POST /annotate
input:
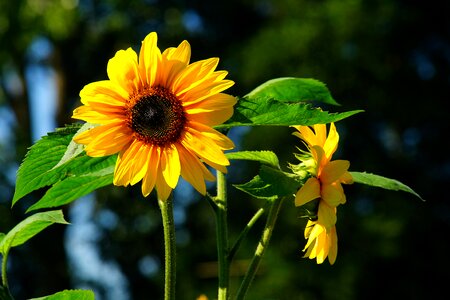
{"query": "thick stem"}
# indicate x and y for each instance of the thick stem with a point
(222, 236)
(169, 247)
(260, 249)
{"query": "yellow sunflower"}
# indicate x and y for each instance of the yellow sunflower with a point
(157, 112)
(324, 184)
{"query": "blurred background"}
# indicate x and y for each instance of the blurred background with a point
(389, 58)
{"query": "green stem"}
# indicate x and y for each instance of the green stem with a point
(4, 265)
(222, 236)
(260, 249)
(169, 247)
(244, 232)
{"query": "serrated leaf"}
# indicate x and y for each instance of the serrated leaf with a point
(72, 188)
(382, 182)
(270, 112)
(293, 89)
(69, 295)
(29, 227)
(73, 149)
(271, 184)
(36, 171)
(265, 157)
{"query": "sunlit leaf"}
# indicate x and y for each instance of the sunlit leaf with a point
(270, 112)
(271, 184)
(72, 188)
(29, 227)
(69, 295)
(382, 182)
(37, 169)
(294, 90)
(265, 157)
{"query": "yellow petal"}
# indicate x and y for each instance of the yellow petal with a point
(331, 142)
(191, 170)
(149, 180)
(140, 166)
(123, 70)
(332, 253)
(326, 215)
(105, 140)
(126, 162)
(162, 188)
(182, 53)
(193, 75)
(334, 170)
(149, 59)
(220, 139)
(104, 91)
(204, 147)
(170, 165)
(216, 102)
(333, 194)
(308, 192)
(347, 178)
(321, 134)
(212, 118)
(88, 114)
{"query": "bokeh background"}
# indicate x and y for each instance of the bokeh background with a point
(389, 58)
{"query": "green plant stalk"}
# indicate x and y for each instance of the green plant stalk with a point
(260, 249)
(222, 236)
(4, 266)
(244, 232)
(169, 247)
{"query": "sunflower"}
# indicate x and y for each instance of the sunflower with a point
(157, 112)
(325, 184)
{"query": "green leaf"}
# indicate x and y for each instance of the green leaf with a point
(271, 184)
(294, 90)
(29, 227)
(265, 157)
(382, 182)
(72, 188)
(37, 169)
(69, 295)
(270, 112)
(73, 149)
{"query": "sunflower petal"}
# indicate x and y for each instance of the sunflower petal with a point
(123, 70)
(162, 188)
(149, 59)
(331, 142)
(149, 180)
(308, 192)
(191, 170)
(170, 165)
(334, 170)
(326, 215)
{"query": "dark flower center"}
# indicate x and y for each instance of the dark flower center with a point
(157, 117)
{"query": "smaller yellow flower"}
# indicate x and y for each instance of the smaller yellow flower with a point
(322, 243)
(324, 184)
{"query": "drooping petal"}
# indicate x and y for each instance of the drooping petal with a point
(332, 253)
(149, 180)
(141, 163)
(126, 162)
(326, 215)
(308, 192)
(191, 170)
(123, 70)
(162, 188)
(170, 165)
